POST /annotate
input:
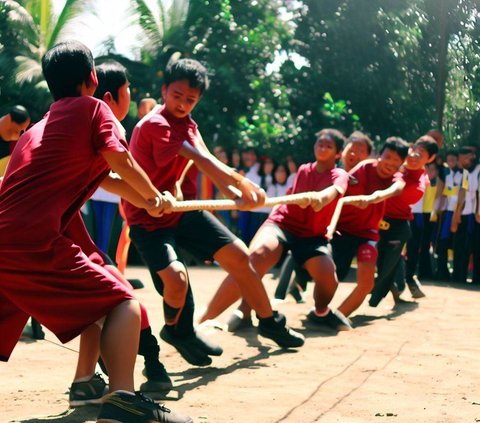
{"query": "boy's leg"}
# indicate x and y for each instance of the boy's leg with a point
(390, 249)
(89, 351)
(366, 262)
(119, 344)
(322, 270)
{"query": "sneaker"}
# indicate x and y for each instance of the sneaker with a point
(126, 407)
(238, 322)
(277, 331)
(188, 347)
(208, 346)
(157, 378)
(415, 289)
(136, 283)
(333, 320)
(89, 392)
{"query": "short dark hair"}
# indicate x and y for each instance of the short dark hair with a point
(397, 144)
(452, 152)
(465, 149)
(66, 66)
(428, 143)
(335, 135)
(358, 136)
(19, 114)
(111, 76)
(189, 69)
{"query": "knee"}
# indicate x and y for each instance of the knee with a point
(175, 277)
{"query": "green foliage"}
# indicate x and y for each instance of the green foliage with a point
(28, 29)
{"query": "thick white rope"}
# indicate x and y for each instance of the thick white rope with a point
(182, 206)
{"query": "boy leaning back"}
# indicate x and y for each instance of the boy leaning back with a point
(56, 166)
(301, 229)
(163, 143)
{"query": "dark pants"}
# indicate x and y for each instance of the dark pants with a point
(418, 247)
(443, 243)
(389, 249)
(463, 248)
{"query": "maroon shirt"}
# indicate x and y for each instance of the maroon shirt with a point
(52, 173)
(364, 222)
(155, 143)
(400, 206)
(306, 222)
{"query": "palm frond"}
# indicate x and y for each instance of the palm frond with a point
(18, 31)
(148, 23)
(70, 12)
(177, 13)
(28, 70)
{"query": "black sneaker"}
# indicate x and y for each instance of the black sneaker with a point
(333, 320)
(276, 330)
(136, 283)
(157, 378)
(89, 392)
(208, 346)
(188, 348)
(126, 407)
(414, 286)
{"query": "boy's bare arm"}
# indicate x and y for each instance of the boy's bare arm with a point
(326, 196)
(132, 174)
(228, 181)
(380, 195)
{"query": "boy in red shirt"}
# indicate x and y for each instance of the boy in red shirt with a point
(398, 213)
(163, 143)
(54, 169)
(357, 228)
(301, 229)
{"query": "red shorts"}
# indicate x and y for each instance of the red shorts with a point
(62, 288)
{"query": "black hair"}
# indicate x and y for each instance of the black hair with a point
(397, 144)
(111, 76)
(428, 143)
(358, 136)
(335, 135)
(452, 152)
(19, 114)
(465, 149)
(188, 69)
(66, 66)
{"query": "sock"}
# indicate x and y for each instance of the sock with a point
(268, 322)
(185, 320)
(171, 314)
(148, 346)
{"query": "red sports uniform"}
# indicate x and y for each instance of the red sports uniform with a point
(155, 144)
(306, 222)
(44, 273)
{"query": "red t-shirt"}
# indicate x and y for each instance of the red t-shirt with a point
(54, 169)
(155, 143)
(364, 180)
(400, 206)
(306, 222)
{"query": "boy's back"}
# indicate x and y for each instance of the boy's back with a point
(54, 169)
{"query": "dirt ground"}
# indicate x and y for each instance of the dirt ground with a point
(415, 364)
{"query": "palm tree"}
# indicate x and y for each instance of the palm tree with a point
(28, 29)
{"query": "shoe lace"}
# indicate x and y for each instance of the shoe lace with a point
(151, 402)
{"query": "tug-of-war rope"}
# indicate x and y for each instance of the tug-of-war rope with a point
(298, 199)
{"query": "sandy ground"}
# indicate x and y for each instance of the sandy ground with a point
(418, 364)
